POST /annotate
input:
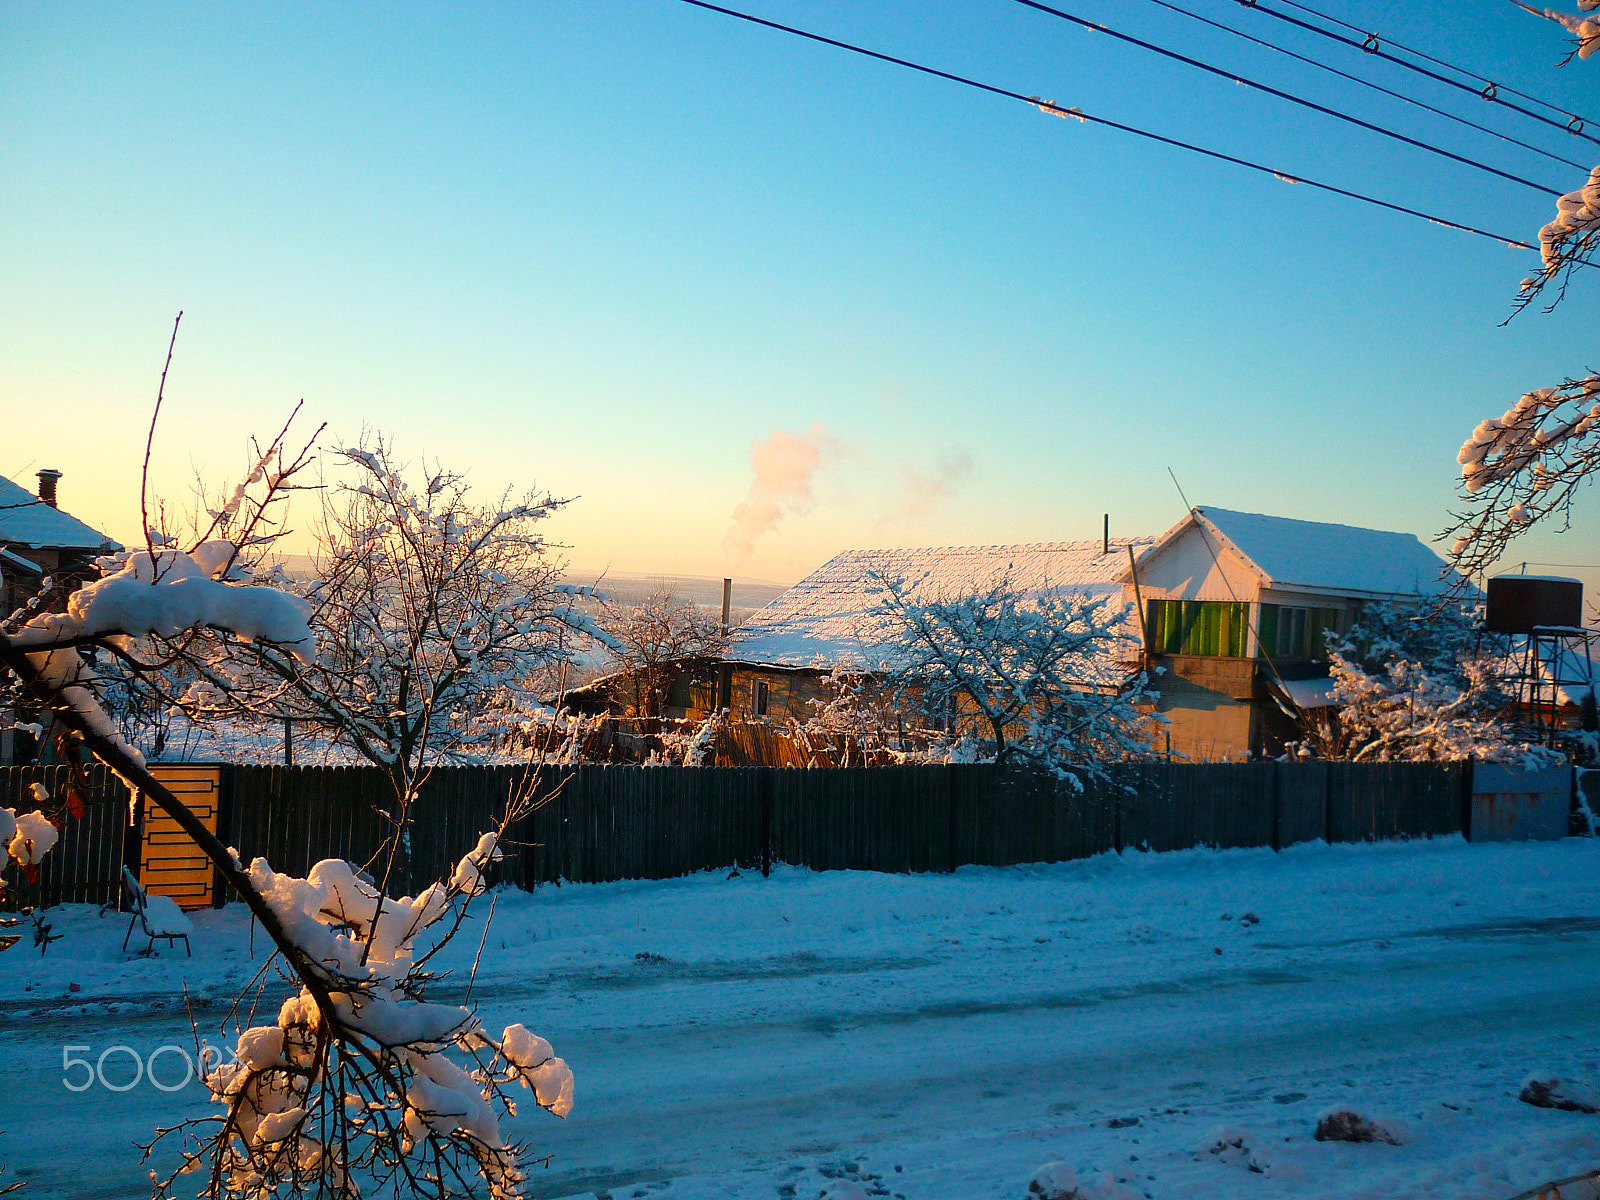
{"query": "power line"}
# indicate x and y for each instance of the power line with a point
(1078, 114)
(1283, 95)
(1367, 83)
(1484, 79)
(1372, 44)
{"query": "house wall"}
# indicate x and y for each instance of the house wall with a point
(789, 694)
(1185, 569)
(1209, 704)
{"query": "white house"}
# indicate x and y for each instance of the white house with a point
(1235, 606)
(1232, 610)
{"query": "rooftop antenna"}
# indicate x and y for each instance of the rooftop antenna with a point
(1179, 486)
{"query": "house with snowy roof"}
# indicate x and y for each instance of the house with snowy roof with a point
(1235, 606)
(775, 664)
(38, 539)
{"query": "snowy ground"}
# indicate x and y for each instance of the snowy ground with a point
(939, 1037)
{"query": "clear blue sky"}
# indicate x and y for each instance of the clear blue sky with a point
(602, 248)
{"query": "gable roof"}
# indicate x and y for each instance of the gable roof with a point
(827, 618)
(1319, 556)
(26, 520)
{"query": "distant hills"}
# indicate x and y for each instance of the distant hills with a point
(627, 587)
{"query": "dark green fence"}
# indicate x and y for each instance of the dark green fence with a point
(599, 823)
(85, 867)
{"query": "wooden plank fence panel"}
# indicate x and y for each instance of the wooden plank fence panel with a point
(85, 865)
(1301, 798)
(615, 822)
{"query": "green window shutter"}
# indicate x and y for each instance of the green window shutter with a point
(1238, 629)
(1267, 630)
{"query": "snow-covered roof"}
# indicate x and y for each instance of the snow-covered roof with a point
(1307, 693)
(827, 618)
(26, 520)
(1319, 556)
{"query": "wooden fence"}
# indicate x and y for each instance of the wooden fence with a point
(601, 823)
(85, 867)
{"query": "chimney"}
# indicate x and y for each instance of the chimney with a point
(727, 602)
(47, 486)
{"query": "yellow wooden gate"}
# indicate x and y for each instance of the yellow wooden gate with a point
(170, 864)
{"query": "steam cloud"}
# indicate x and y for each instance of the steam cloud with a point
(923, 492)
(784, 465)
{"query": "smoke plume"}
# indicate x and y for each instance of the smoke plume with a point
(923, 492)
(784, 464)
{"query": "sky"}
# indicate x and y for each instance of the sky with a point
(631, 251)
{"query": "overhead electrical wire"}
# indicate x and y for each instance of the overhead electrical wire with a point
(1097, 27)
(1078, 114)
(1367, 83)
(1439, 62)
(1372, 44)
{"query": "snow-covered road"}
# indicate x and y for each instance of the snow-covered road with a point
(941, 1036)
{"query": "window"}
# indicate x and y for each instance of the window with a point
(1288, 632)
(1206, 627)
(759, 695)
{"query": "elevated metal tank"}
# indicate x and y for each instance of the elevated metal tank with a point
(1522, 603)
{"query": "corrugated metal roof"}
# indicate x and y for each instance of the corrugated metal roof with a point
(26, 520)
(827, 618)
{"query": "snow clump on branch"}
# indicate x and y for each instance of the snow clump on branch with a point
(393, 1082)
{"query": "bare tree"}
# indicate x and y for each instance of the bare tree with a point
(358, 1085)
(423, 607)
(652, 637)
(1040, 673)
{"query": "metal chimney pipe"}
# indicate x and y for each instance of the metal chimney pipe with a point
(47, 486)
(727, 602)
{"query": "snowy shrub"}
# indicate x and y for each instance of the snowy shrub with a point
(1552, 1091)
(1342, 1124)
(1414, 683)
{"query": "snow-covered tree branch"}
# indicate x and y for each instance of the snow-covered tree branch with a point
(1042, 675)
(1524, 466)
(1417, 683)
(361, 1085)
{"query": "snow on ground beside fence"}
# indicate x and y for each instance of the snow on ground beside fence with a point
(1166, 1025)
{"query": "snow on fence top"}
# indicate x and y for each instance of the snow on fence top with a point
(26, 520)
(1319, 556)
(828, 618)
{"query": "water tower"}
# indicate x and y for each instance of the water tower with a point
(1554, 662)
